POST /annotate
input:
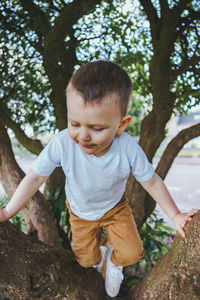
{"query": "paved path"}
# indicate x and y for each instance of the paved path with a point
(183, 182)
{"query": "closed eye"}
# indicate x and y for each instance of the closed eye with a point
(93, 128)
(75, 125)
(98, 129)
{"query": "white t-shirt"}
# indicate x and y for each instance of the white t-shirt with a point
(94, 184)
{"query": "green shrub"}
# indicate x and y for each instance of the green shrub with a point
(18, 219)
(60, 213)
(153, 234)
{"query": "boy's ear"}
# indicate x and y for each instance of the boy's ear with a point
(123, 124)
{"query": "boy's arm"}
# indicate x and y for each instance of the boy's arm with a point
(25, 190)
(159, 192)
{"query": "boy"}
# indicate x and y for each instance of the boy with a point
(97, 157)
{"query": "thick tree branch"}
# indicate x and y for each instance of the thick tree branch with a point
(64, 26)
(165, 163)
(32, 145)
(174, 147)
(170, 22)
(164, 7)
(187, 91)
(32, 270)
(179, 8)
(176, 275)
(19, 31)
(150, 11)
(69, 16)
(37, 214)
(41, 25)
(184, 67)
(58, 60)
(54, 7)
(184, 22)
(154, 21)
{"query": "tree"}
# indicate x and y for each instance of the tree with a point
(164, 62)
(45, 37)
(162, 58)
(173, 26)
(38, 271)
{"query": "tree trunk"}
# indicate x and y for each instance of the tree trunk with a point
(136, 195)
(55, 180)
(153, 125)
(37, 214)
(33, 270)
(176, 275)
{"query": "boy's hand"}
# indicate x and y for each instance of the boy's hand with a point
(181, 219)
(3, 215)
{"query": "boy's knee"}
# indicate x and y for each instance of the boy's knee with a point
(134, 256)
(88, 259)
(86, 262)
(129, 256)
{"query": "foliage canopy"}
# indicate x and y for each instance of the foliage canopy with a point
(116, 30)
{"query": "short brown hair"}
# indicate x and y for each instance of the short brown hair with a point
(97, 79)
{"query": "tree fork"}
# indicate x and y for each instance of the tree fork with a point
(38, 271)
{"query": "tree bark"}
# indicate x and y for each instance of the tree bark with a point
(59, 61)
(37, 214)
(38, 271)
(176, 275)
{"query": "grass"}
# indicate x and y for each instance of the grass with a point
(183, 152)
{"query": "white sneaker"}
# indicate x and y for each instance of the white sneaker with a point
(99, 266)
(114, 276)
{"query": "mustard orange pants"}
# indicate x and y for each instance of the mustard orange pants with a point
(122, 236)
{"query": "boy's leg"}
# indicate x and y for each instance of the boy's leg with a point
(124, 238)
(86, 237)
(126, 246)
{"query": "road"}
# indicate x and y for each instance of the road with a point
(182, 180)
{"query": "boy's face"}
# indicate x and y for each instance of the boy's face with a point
(93, 126)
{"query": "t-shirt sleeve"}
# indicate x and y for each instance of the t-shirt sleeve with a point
(141, 168)
(49, 158)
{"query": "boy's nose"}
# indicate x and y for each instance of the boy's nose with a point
(84, 135)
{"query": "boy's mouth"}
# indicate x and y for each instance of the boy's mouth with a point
(88, 146)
